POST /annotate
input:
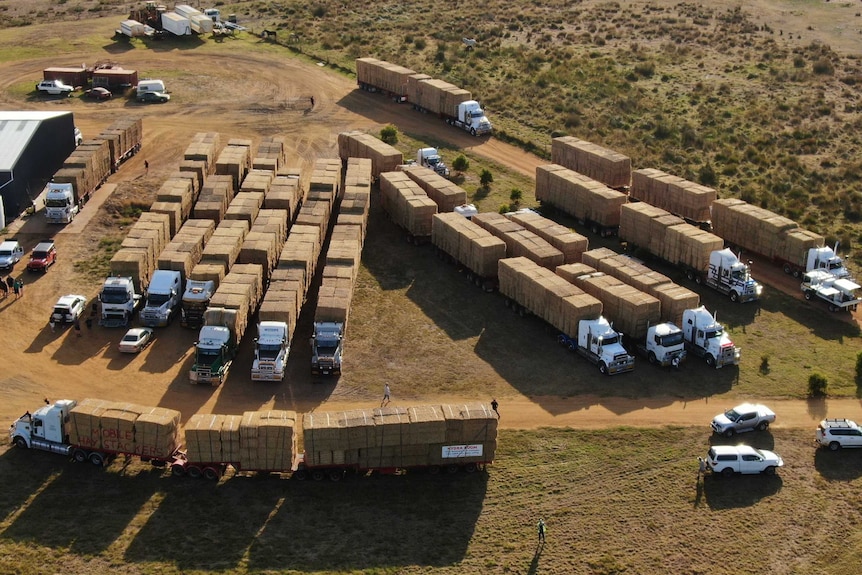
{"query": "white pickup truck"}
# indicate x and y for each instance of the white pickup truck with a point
(55, 87)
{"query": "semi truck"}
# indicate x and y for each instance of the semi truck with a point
(840, 294)
(430, 158)
(62, 202)
(601, 345)
(663, 345)
(698, 254)
(215, 350)
(454, 105)
(449, 437)
(327, 347)
(164, 294)
(776, 238)
(196, 299)
(592, 203)
(271, 348)
(706, 338)
(118, 302)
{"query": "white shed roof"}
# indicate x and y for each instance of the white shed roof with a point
(16, 130)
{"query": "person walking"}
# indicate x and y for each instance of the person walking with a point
(146, 167)
(4, 288)
(16, 288)
(701, 467)
(385, 395)
(312, 102)
(10, 281)
(540, 527)
(19, 285)
(494, 406)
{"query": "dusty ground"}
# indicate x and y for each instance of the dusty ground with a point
(40, 363)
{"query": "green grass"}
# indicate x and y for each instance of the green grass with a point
(614, 501)
(98, 265)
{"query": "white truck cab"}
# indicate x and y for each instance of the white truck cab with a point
(271, 348)
(706, 338)
(600, 344)
(164, 295)
(664, 345)
(430, 158)
(826, 259)
(471, 117)
(44, 429)
(60, 204)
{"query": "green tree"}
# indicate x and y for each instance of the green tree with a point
(461, 164)
(817, 384)
(486, 178)
(389, 134)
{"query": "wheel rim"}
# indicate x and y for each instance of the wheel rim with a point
(96, 459)
(195, 472)
(211, 474)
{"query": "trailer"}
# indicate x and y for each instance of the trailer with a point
(470, 247)
(593, 204)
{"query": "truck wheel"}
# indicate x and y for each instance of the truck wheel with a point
(727, 472)
(652, 358)
(470, 468)
(97, 459)
(336, 475)
(603, 368)
(434, 470)
(194, 472)
(729, 433)
(561, 339)
(300, 475)
(734, 297)
(809, 294)
(472, 131)
(211, 474)
(770, 470)
(177, 470)
(710, 361)
(763, 426)
(834, 446)
(690, 275)
(450, 469)
(787, 269)
(317, 475)
(20, 442)
(79, 455)
(572, 346)
(833, 308)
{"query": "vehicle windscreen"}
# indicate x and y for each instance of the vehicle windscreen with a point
(835, 265)
(714, 333)
(609, 340)
(61, 310)
(5, 253)
(114, 295)
(56, 203)
(208, 356)
(268, 351)
(40, 255)
(732, 414)
(130, 338)
(326, 348)
(671, 339)
(156, 300)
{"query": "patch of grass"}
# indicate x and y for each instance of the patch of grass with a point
(98, 265)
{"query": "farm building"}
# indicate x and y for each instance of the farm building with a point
(33, 146)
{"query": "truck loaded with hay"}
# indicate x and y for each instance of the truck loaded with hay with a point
(384, 440)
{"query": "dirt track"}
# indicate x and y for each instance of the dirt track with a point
(39, 363)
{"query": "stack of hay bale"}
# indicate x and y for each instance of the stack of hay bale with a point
(267, 440)
(222, 250)
(667, 236)
(204, 148)
(324, 185)
(763, 232)
(285, 193)
(571, 244)
(137, 255)
(235, 160)
(586, 199)
(356, 199)
(380, 74)
(446, 194)
(270, 154)
(86, 168)
(467, 243)
(124, 139)
(120, 427)
(257, 181)
(236, 299)
(244, 206)
(437, 96)
(678, 196)
(606, 166)
(631, 310)
(339, 274)
(520, 241)
(674, 298)
(384, 158)
(186, 248)
(214, 199)
(546, 294)
(407, 204)
(401, 437)
(175, 198)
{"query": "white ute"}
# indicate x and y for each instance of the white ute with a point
(731, 459)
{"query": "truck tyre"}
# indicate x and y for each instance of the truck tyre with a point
(652, 358)
(451, 469)
(177, 470)
(727, 472)
(472, 131)
(770, 470)
(194, 472)
(300, 475)
(561, 339)
(336, 475)
(787, 269)
(734, 297)
(833, 308)
(211, 474)
(690, 275)
(434, 470)
(763, 426)
(729, 432)
(317, 475)
(97, 459)
(834, 446)
(603, 368)
(572, 346)
(710, 361)
(79, 455)
(809, 294)
(470, 468)
(20, 442)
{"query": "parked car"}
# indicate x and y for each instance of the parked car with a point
(838, 433)
(11, 253)
(55, 87)
(69, 308)
(731, 459)
(43, 256)
(99, 93)
(742, 418)
(153, 97)
(135, 340)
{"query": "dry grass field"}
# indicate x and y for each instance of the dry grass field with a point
(676, 86)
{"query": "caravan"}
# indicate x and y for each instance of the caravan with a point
(151, 86)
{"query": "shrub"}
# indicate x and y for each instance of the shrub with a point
(486, 178)
(389, 134)
(817, 385)
(461, 164)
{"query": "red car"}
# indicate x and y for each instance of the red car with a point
(44, 255)
(99, 93)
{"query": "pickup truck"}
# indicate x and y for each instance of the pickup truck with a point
(743, 417)
(728, 460)
(55, 87)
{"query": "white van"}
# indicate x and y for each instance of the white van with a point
(151, 86)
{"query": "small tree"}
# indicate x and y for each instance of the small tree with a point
(817, 384)
(389, 134)
(461, 164)
(486, 178)
(515, 198)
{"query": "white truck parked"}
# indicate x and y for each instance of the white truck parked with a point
(164, 297)
(61, 203)
(327, 347)
(601, 345)
(826, 259)
(664, 345)
(118, 302)
(271, 348)
(728, 275)
(705, 338)
(839, 293)
(430, 158)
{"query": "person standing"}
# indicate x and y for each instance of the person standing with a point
(494, 406)
(701, 467)
(385, 395)
(16, 288)
(10, 282)
(312, 102)
(77, 327)
(19, 284)
(540, 527)
(4, 288)
(146, 167)
(51, 323)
